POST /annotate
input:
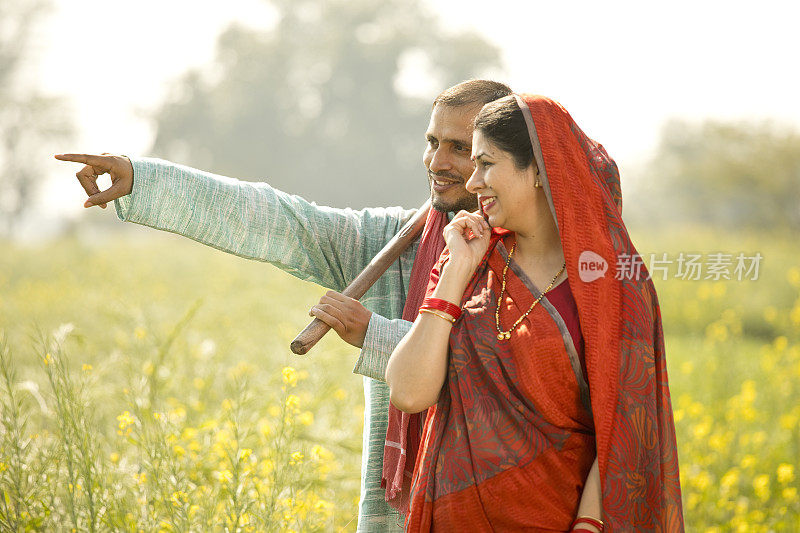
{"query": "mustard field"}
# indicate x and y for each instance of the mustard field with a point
(147, 385)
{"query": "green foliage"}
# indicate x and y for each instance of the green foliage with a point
(312, 105)
(730, 175)
(23, 501)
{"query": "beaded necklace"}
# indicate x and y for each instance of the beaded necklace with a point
(505, 335)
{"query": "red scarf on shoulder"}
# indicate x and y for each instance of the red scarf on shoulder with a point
(404, 430)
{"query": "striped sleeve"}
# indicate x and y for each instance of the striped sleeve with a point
(253, 220)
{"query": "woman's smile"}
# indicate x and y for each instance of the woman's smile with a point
(487, 202)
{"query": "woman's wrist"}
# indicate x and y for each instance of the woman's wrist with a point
(437, 304)
(457, 272)
(451, 285)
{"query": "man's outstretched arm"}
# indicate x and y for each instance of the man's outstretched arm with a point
(253, 220)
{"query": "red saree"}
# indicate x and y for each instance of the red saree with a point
(510, 442)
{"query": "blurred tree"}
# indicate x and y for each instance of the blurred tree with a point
(737, 175)
(313, 107)
(28, 119)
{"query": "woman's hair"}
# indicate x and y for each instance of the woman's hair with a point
(504, 126)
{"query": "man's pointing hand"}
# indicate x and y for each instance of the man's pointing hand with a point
(118, 167)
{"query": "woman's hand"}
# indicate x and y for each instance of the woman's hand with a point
(467, 238)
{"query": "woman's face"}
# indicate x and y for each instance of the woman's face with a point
(506, 194)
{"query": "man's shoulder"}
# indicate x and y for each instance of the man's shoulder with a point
(394, 213)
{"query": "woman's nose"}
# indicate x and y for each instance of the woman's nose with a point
(474, 182)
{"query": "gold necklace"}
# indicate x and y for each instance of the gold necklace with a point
(505, 335)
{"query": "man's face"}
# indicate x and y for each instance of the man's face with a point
(447, 157)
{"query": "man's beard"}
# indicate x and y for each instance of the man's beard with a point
(468, 202)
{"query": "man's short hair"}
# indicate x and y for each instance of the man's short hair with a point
(472, 92)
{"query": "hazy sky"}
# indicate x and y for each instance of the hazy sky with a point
(621, 68)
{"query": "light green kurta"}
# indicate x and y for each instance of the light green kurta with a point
(321, 244)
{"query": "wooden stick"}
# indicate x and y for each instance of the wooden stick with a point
(307, 338)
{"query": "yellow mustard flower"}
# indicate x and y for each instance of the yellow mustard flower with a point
(306, 418)
(794, 315)
(245, 453)
(292, 402)
(785, 473)
(126, 420)
(263, 427)
(179, 498)
(223, 476)
(780, 343)
(730, 480)
(289, 375)
(702, 480)
(748, 461)
(761, 487)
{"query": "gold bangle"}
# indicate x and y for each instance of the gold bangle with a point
(590, 520)
(431, 311)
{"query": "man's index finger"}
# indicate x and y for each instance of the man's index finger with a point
(99, 161)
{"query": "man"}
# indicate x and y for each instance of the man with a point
(320, 244)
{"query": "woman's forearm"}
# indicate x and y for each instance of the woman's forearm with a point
(417, 367)
(591, 499)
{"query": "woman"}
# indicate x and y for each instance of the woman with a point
(544, 386)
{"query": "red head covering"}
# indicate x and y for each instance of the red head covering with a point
(621, 324)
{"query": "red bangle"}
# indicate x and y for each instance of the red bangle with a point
(582, 530)
(441, 305)
(588, 520)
